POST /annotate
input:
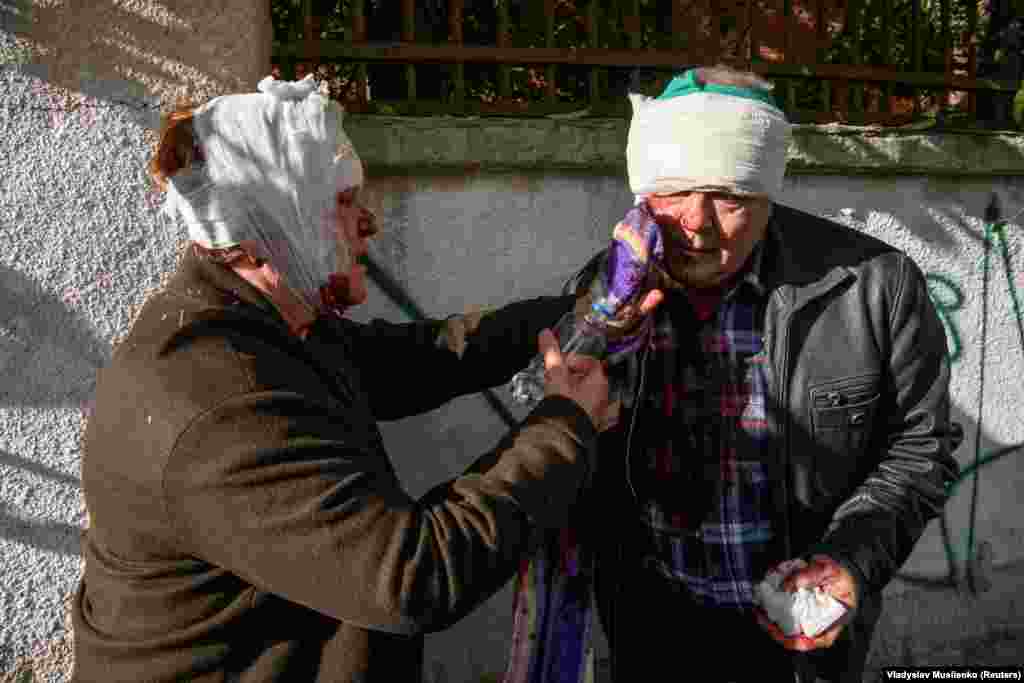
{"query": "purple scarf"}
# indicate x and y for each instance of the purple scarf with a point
(554, 611)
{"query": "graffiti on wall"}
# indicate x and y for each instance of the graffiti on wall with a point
(948, 298)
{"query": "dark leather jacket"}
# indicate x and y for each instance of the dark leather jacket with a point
(858, 397)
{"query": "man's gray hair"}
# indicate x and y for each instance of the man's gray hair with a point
(727, 75)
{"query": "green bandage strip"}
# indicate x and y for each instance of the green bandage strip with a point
(687, 83)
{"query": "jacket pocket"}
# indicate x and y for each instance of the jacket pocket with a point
(843, 418)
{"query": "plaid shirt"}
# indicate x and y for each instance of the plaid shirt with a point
(703, 444)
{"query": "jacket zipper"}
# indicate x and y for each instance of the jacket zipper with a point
(783, 388)
(783, 391)
(847, 396)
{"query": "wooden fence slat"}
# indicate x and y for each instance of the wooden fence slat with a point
(551, 71)
(308, 36)
(358, 36)
(458, 70)
(753, 51)
(503, 42)
(972, 56)
(854, 9)
(787, 31)
(821, 35)
(947, 48)
(679, 34)
(918, 38)
(668, 59)
(593, 38)
(887, 31)
(787, 87)
(409, 36)
(633, 26)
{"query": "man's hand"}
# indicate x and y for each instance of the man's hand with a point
(578, 377)
(822, 571)
(650, 302)
(630, 316)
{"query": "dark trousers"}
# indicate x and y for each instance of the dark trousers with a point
(661, 634)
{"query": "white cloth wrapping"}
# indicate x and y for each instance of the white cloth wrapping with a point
(810, 611)
(706, 141)
(269, 168)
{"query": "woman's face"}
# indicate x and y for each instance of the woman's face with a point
(356, 225)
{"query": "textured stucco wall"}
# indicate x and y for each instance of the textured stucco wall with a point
(81, 86)
(81, 244)
(494, 238)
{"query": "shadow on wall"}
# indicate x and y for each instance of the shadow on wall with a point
(55, 537)
(969, 556)
(124, 56)
(49, 355)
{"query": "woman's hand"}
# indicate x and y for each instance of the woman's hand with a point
(579, 378)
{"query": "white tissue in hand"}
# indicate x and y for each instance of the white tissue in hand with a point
(808, 610)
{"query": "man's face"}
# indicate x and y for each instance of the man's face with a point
(708, 235)
(356, 225)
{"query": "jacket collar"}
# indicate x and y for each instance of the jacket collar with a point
(797, 268)
(218, 286)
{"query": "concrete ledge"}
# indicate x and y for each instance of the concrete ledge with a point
(391, 144)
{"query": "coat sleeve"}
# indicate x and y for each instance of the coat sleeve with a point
(875, 530)
(411, 368)
(278, 489)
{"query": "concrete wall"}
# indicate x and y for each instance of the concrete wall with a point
(81, 85)
(474, 212)
(497, 237)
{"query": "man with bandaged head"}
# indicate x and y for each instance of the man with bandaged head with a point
(784, 436)
(246, 523)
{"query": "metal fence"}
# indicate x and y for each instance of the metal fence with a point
(855, 61)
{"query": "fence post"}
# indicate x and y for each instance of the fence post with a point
(854, 9)
(310, 38)
(458, 70)
(632, 25)
(593, 39)
(502, 40)
(917, 46)
(358, 37)
(947, 51)
(972, 57)
(821, 57)
(885, 106)
(408, 36)
(550, 71)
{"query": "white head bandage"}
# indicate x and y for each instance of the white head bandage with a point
(269, 169)
(698, 136)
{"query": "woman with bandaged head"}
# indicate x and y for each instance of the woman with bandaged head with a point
(246, 521)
